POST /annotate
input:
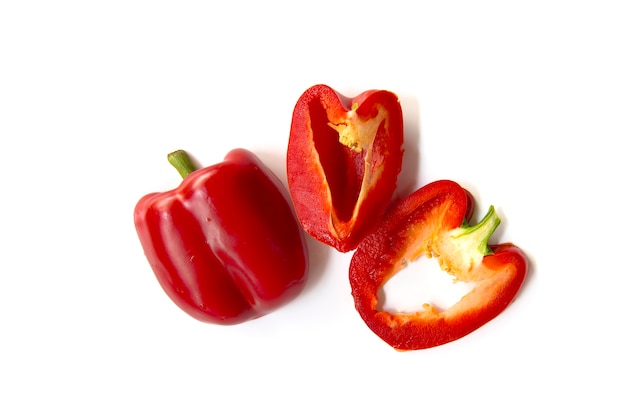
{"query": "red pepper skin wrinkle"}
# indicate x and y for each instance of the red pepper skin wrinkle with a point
(225, 245)
(415, 226)
(343, 160)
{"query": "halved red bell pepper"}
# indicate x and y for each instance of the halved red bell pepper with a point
(343, 160)
(225, 245)
(432, 222)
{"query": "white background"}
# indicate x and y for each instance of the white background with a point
(522, 103)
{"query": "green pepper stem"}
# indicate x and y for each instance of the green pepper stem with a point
(482, 230)
(181, 162)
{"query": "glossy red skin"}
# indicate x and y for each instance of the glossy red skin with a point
(437, 207)
(225, 245)
(326, 178)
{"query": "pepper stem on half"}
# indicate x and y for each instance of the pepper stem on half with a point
(463, 248)
(181, 162)
(481, 231)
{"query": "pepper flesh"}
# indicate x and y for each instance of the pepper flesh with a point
(432, 222)
(343, 160)
(225, 245)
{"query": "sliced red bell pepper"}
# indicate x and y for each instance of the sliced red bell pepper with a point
(225, 245)
(432, 222)
(343, 160)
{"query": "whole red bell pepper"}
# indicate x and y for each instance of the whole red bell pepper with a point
(225, 245)
(343, 160)
(432, 222)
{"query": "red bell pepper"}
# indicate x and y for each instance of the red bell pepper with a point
(432, 222)
(225, 245)
(343, 160)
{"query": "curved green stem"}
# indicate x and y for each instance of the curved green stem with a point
(181, 162)
(481, 231)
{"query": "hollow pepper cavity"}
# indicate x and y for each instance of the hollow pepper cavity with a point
(432, 221)
(343, 159)
(225, 245)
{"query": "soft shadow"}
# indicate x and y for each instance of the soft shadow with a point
(408, 177)
(530, 272)
(275, 162)
(318, 261)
